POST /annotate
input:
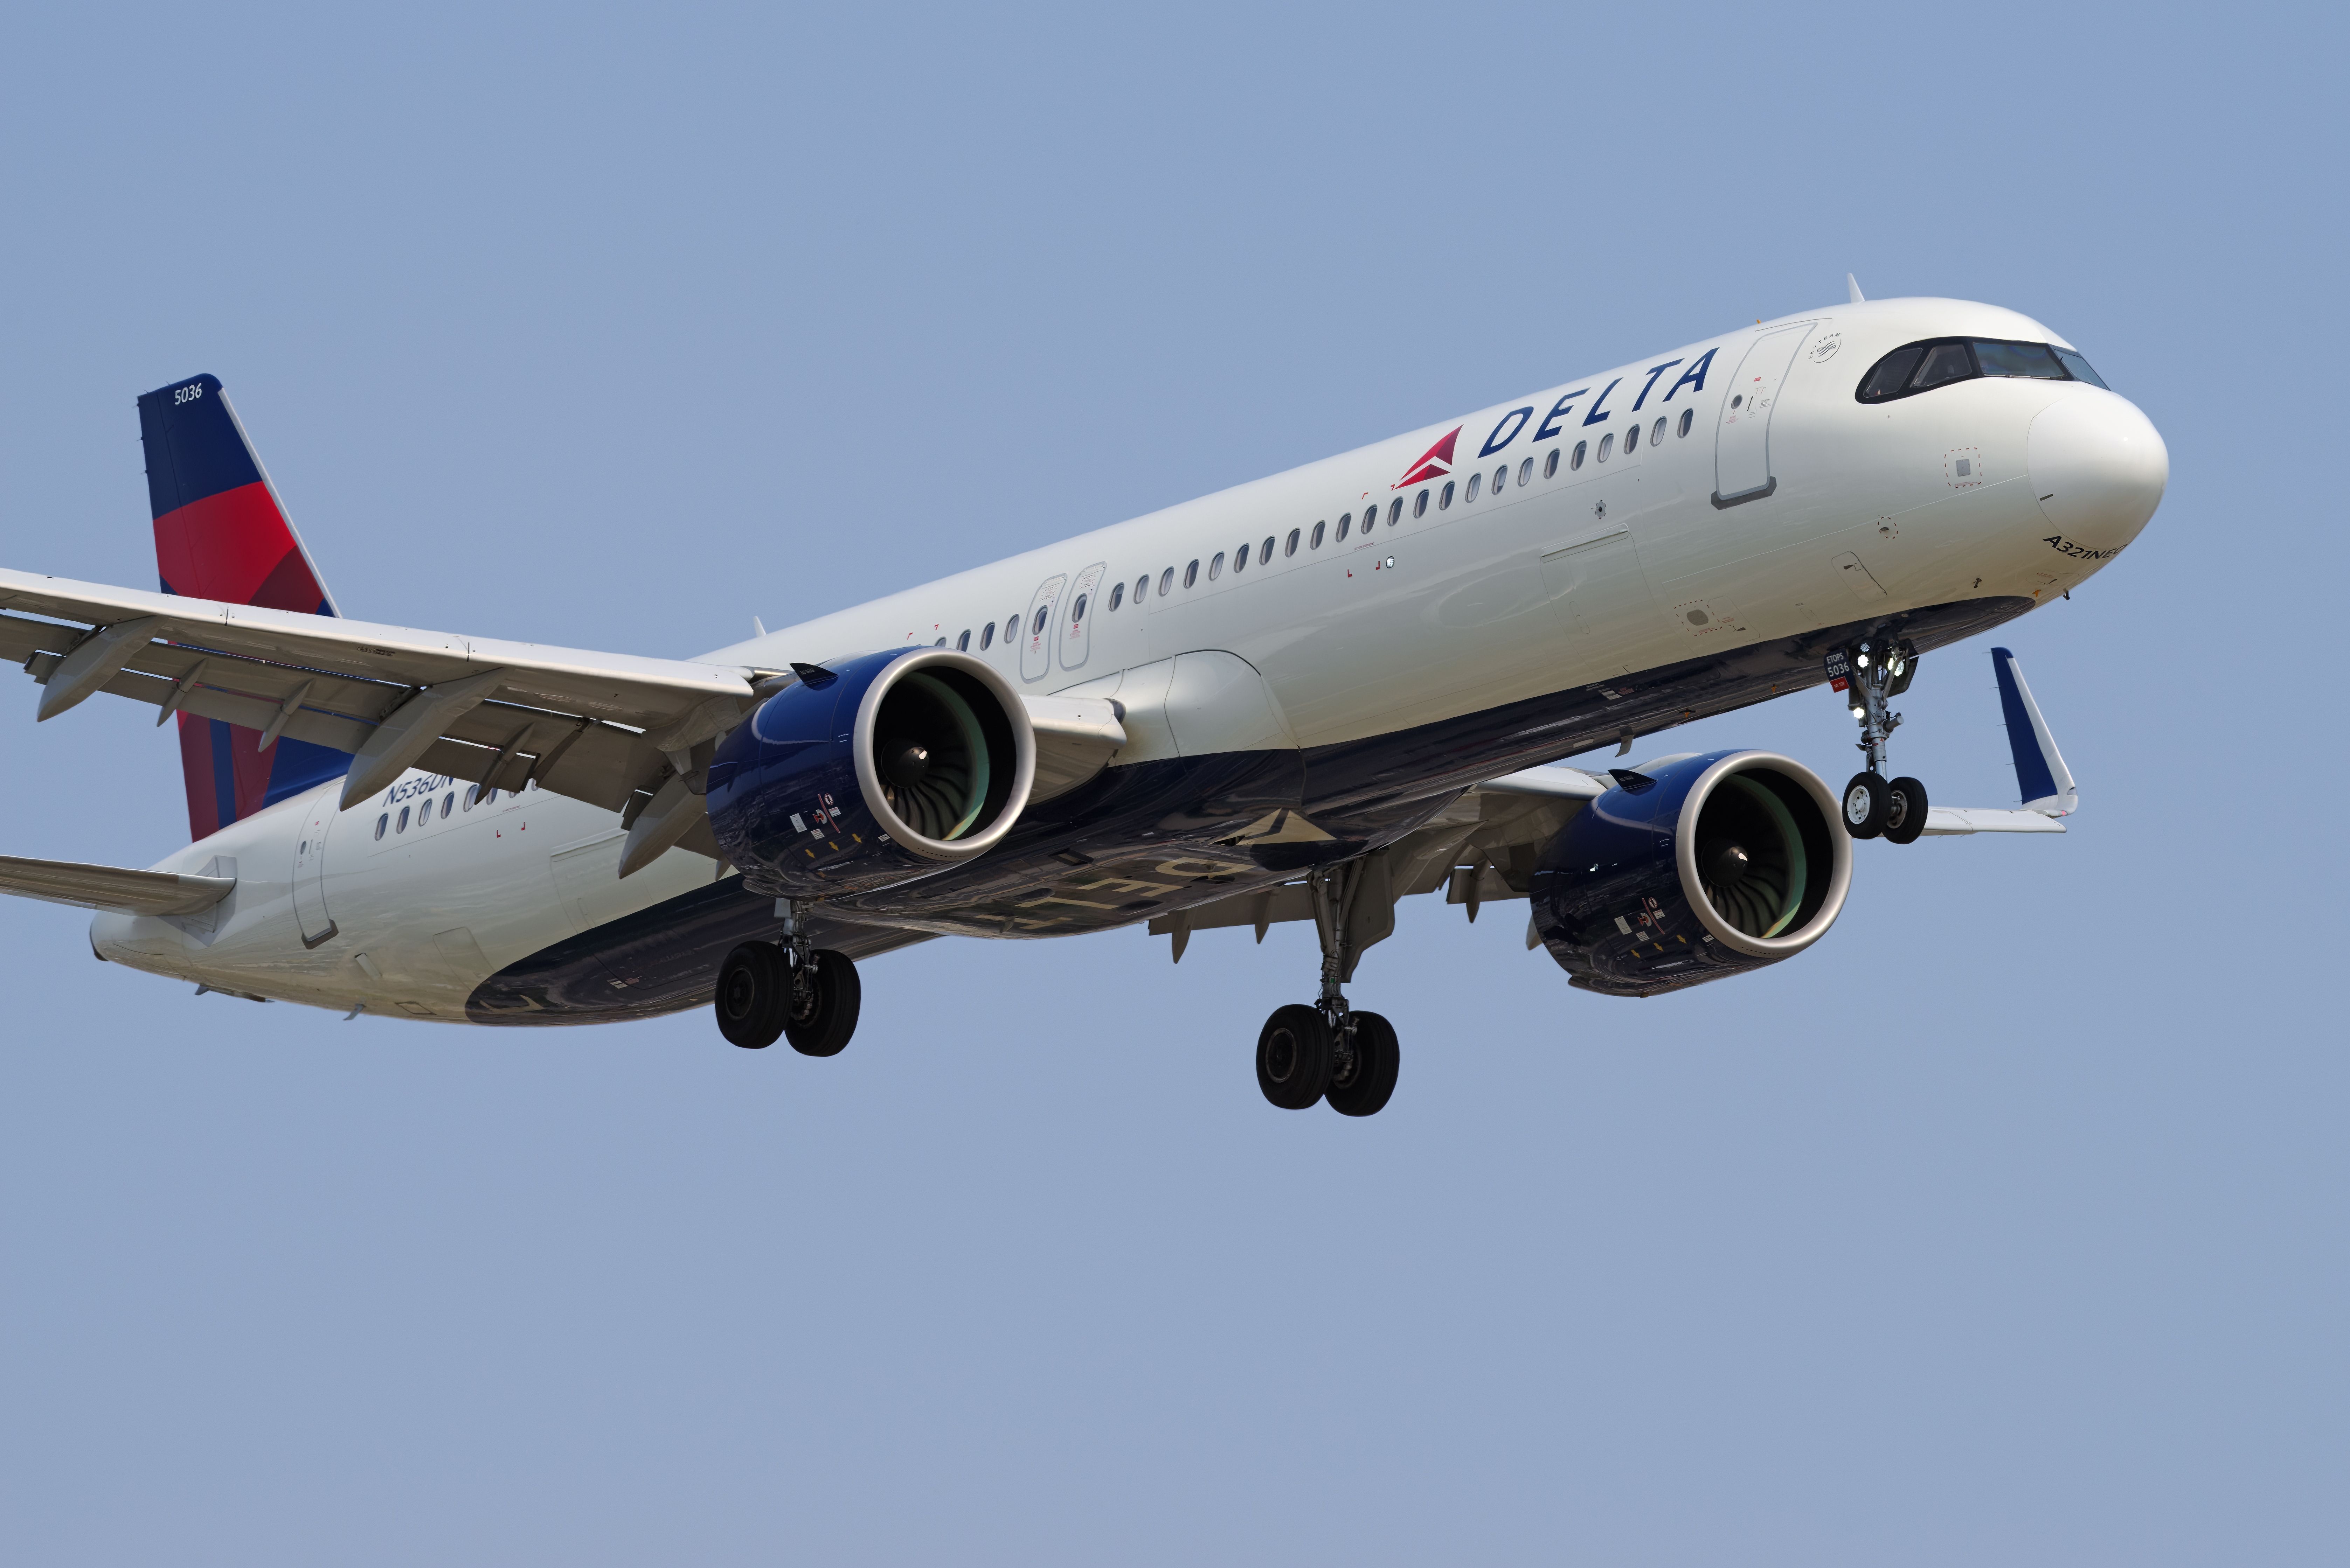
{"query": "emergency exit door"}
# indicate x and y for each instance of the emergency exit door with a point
(310, 868)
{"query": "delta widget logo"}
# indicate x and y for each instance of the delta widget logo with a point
(1434, 463)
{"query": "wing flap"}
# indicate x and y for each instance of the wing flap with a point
(113, 887)
(591, 726)
(623, 687)
(1946, 821)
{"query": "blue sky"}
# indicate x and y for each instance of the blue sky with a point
(2006, 1224)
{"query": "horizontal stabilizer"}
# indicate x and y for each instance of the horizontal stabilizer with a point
(2046, 785)
(114, 888)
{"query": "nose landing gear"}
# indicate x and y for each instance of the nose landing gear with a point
(1870, 675)
(1328, 1050)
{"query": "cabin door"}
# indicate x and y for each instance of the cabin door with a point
(310, 868)
(1741, 447)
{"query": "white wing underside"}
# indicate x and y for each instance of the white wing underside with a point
(606, 728)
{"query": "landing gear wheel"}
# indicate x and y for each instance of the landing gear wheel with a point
(821, 1013)
(1366, 1076)
(1905, 815)
(1293, 1057)
(753, 984)
(1866, 801)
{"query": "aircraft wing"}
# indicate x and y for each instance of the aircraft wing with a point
(1482, 846)
(112, 886)
(601, 727)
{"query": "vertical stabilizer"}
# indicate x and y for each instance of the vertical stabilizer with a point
(220, 533)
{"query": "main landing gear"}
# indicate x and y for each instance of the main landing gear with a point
(1873, 807)
(1328, 1050)
(807, 995)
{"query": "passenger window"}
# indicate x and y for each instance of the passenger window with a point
(1117, 596)
(1038, 629)
(403, 826)
(449, 803)
(1264, 551)
(1607, 445)
(1346, 522)
(2080, 369)
(1891, 374)
(1525, 473)
(1079, 613)
(986, 635)
(1657, 433)
(1689, 418)
(1165, 582)
(1291, 548)
(1317, 538)
(1631, 440)
(381, 823)
(1581, 447)
(1550, 464)
(1240, 558)
(473, 793)
(1444, 498)
(1191, 573)
(940, 643)
(1215, 568)
(962, 643)
(1419, 503)
(1141, 588)
(1945, 363)
(2034, 361)
(1395, 509)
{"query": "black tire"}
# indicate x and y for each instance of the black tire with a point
(1363, 1087)
(1293, 1057)
(821, 1013)
(1905, 812)
(1864, 803)
(752, 988)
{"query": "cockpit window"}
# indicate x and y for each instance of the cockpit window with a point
(2034, 361)
(2080, 369)
(1917, 368)
(1945, 363)
(1891, 374)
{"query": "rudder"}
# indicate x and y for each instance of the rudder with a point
(221, 534)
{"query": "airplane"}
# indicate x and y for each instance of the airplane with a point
(1302, 699)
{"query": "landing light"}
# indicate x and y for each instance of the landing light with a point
(1858, 711)
(1861, 659)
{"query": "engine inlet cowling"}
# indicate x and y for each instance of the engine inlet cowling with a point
(880, 770)
(1702, 867)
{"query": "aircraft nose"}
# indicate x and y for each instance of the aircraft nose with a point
(2098, 466)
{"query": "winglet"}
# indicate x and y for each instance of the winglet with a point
(1853, 283)
(2041, 776)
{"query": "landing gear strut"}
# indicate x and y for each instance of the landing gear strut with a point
(807, 995)
(1875, 673)
(1328, 1051)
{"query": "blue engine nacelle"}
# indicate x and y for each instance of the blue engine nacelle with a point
(1705, 866)
(879, 770)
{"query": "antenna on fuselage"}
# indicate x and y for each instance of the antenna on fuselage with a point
(1853, 283)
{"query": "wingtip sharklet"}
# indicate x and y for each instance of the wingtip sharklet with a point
(2043, 782)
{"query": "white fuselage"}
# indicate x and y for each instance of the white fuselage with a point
(1554, 575)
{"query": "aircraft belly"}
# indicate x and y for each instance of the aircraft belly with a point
(1180, 832)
